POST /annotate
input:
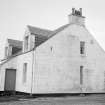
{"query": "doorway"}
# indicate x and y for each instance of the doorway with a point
(10, 80)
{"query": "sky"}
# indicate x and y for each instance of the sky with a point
(15, 15)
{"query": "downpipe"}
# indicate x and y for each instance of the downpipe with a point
(33, 55)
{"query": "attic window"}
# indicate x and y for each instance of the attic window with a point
(15, 50)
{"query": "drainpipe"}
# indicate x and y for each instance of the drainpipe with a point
(33, 55)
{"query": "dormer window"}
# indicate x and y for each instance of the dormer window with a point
(13, 47)
(26, 43)
(15, 50)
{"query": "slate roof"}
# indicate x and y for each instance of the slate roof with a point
(43, 34)
(15, 43)
(59, 29)
(39, 31)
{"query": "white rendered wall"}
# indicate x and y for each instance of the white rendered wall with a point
(57, 65)
(58, 61)
(17, 63)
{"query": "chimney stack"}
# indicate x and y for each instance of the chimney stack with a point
(76, 17)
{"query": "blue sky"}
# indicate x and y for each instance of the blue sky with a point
(48, 14)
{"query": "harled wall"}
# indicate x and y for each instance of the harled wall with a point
(58, 61)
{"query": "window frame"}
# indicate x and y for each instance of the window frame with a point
(82, 47)
(81, 75)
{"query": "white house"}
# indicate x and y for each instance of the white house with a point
(66, 60)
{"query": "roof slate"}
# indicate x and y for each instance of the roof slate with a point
(15, 43)
(59, 29)
(42, 34)
(45, 32)
(39, 31)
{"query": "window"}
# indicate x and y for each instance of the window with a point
(15, 50)
(81, 75)
(26, 43)
(24, 72)
(82, 47)
(51, 48)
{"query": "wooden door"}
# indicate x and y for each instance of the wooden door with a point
(10, 80)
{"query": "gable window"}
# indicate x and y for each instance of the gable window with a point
(81, 75)
(82, 47)
(24, 72)
(26, 43)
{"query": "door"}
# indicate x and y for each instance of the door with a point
(104, 80)
(10, 79)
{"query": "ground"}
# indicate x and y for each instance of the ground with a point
(68, 100)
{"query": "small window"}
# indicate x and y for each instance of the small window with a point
(81, 75)
(24, 72)
(82, 47)
(51, 48)
(15, 50)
